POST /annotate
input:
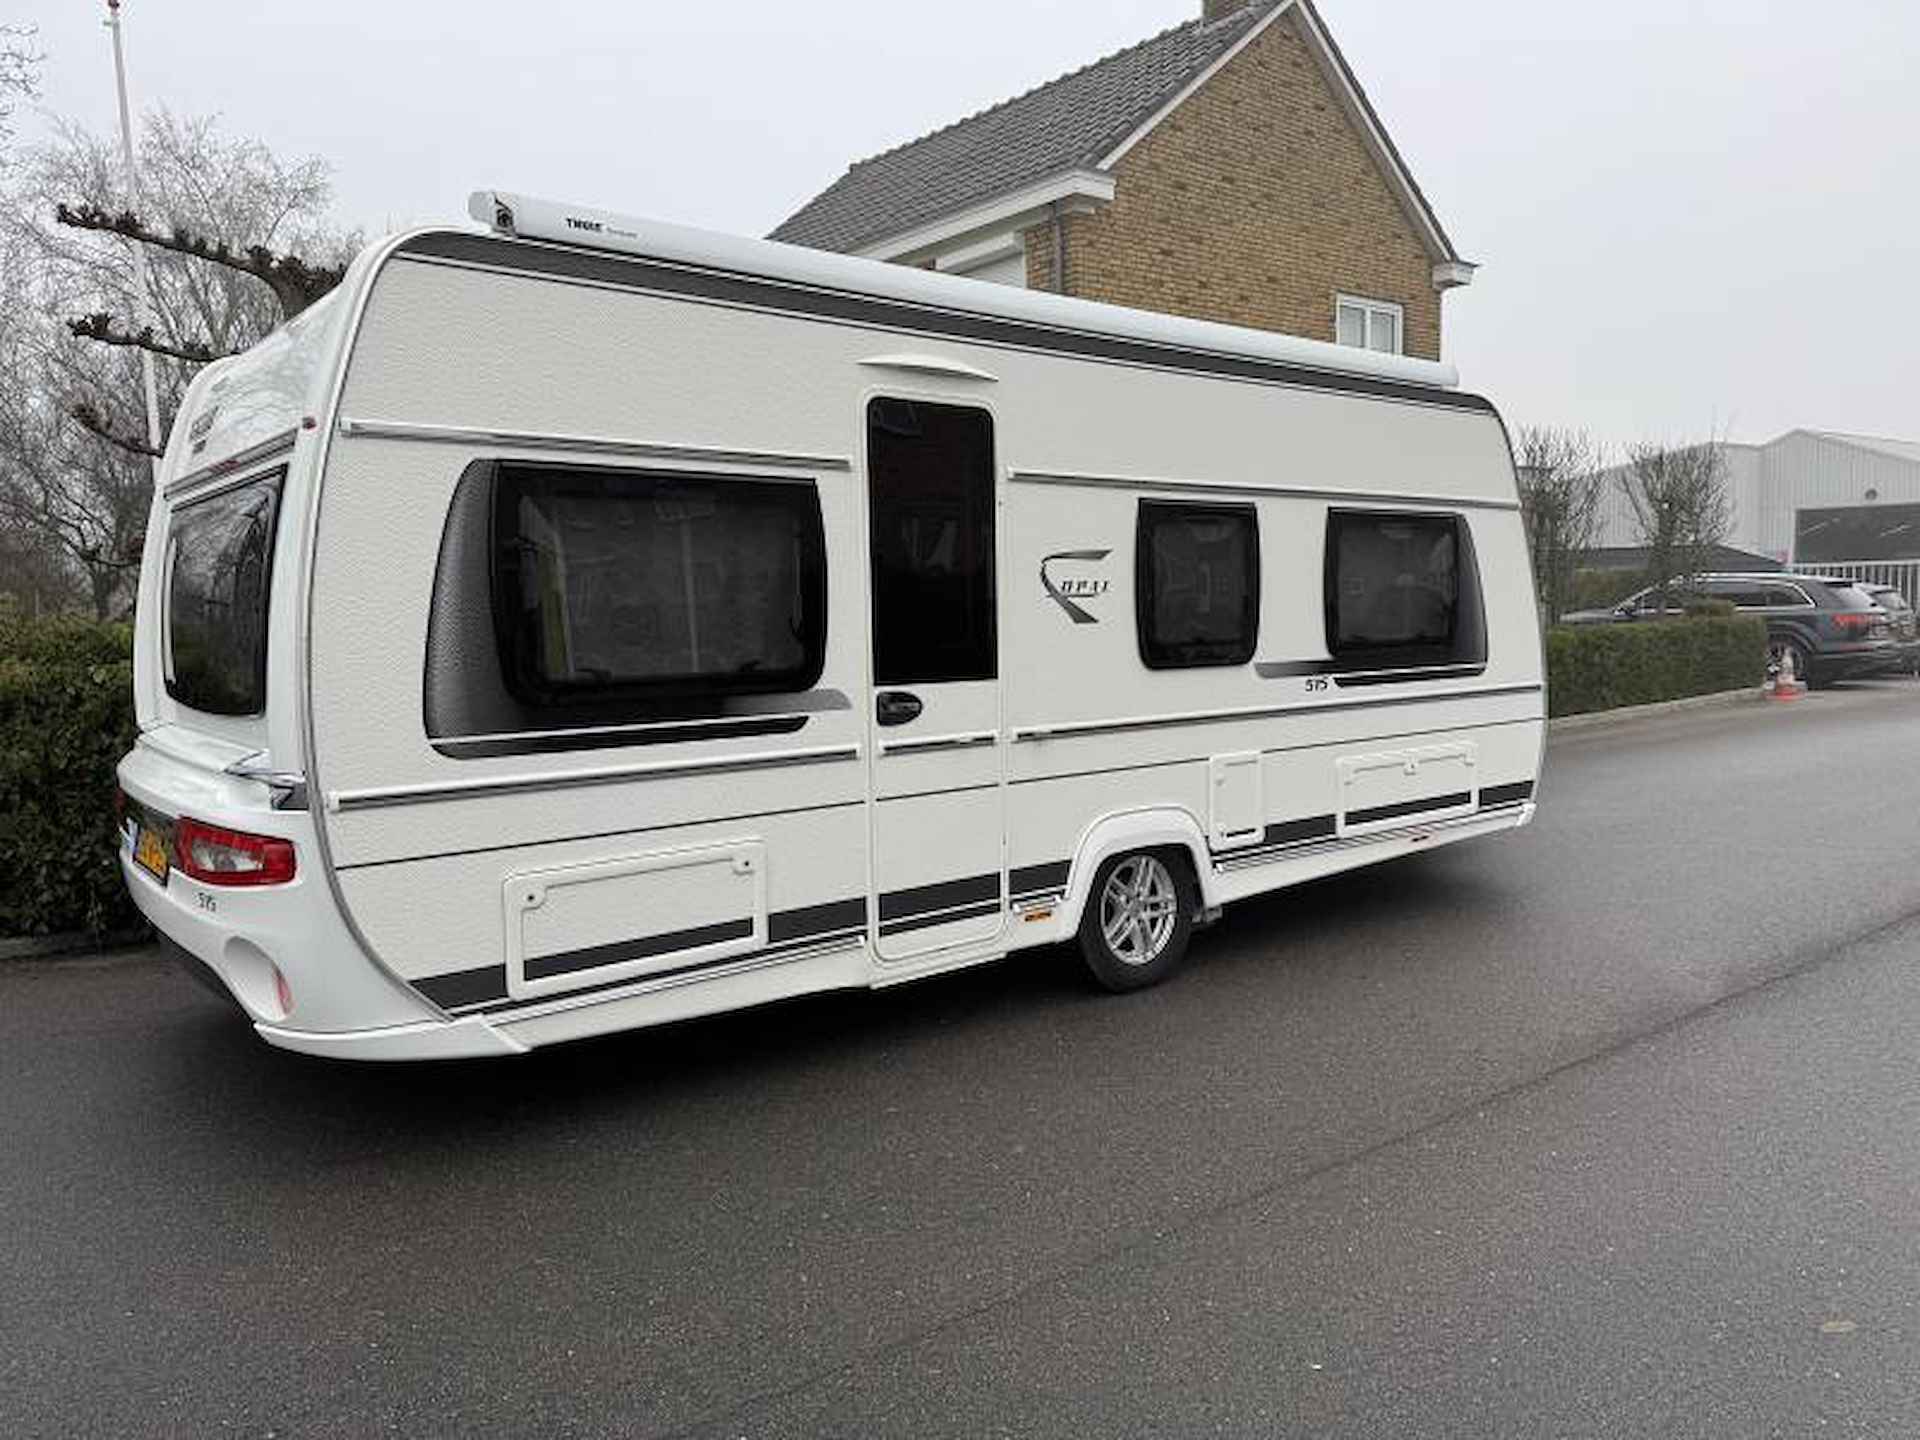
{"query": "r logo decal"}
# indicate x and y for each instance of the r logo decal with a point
(1067, 592)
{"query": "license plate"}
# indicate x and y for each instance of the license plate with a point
(150, 853)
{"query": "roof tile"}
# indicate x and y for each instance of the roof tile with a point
(1068, 124)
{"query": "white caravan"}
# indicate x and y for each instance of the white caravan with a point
(580, 624)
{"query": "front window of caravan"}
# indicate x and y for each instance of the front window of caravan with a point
(219, 573)
(1402, 591)
(655, 589)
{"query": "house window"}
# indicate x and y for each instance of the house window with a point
(1197, 584)
(1402, 591)
(1371, 325)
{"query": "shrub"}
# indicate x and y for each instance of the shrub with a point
(66, 718)
(1605, 667)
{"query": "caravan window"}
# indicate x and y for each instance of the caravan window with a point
(637, 586)
(219, 571)
(1402, 591)
(1197, 584)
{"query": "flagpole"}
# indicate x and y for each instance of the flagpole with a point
(144, 300)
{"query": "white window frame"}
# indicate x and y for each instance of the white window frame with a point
(1373, 310)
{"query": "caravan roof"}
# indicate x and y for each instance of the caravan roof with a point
(527, 218)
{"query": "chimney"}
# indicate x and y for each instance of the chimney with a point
(1212, 10)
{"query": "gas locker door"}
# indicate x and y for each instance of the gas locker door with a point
(939, 799)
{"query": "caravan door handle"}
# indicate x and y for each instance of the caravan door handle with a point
(896, 707)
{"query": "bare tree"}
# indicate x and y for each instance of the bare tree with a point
(1561, 487)
(19, 74)
(237, 242)
(1681, 506)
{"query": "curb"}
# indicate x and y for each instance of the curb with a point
(43, 947)
(1604, 719)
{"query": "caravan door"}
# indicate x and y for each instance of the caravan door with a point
(939, 801)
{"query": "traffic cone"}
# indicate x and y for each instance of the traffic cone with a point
(1784, 683)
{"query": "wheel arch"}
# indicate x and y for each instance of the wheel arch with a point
(1158, 827)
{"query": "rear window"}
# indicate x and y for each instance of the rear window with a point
(1851, 597)
(219, 572)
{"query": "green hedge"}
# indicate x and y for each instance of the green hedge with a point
(1605, 667)
(66, 718)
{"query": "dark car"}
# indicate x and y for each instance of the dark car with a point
(1903, 621)
(1832, 629)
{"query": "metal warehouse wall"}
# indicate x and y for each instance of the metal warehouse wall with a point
(1772, 483)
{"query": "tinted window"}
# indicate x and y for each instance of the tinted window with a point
(610, 584)
(1401, 591)
(1851, 597)
(1748, 594)
(1197, 584)
(930, 478)
(1786, 595)
(220, 569)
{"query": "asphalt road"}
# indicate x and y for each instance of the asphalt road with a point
(1611, 1128)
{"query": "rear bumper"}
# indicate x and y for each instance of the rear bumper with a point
(470, 1039)
(1853, 662)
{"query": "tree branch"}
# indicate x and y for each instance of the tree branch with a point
(295, 284)
(94, 423)
(99, 327)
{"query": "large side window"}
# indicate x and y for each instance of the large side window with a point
(219, 573)
(581, 598)
(930, 479)
(1402, 591)
(1197, 584)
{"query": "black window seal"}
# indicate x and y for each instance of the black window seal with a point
(1468, 647)
(675, 697)
(1152, 654)
(276, 476)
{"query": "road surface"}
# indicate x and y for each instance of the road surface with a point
(1609, 1128)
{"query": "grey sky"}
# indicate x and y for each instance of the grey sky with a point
(1692, 213)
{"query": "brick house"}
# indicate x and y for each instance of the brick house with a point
(1228, 169)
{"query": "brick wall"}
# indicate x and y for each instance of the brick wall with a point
(1253, 203)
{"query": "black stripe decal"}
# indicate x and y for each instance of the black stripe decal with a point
(952, 917)
(639, 982)
(816, 920)
(1496, 796)
(1287, 835)
(468, 987)
(1409, 677)
(1035, 879)
(947, 896)
(1407, 808)
(787, 930)
(1297, 832)
(561, 742)
(849, 307)
(599, 957)
(1293, 669)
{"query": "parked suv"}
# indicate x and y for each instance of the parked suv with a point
(1905, 624)
(1832, 629)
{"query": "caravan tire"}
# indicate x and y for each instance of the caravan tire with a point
(1138, 920)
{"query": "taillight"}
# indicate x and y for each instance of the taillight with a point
(1855, 622)
(214, 856)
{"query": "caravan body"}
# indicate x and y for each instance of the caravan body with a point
(592, 624)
